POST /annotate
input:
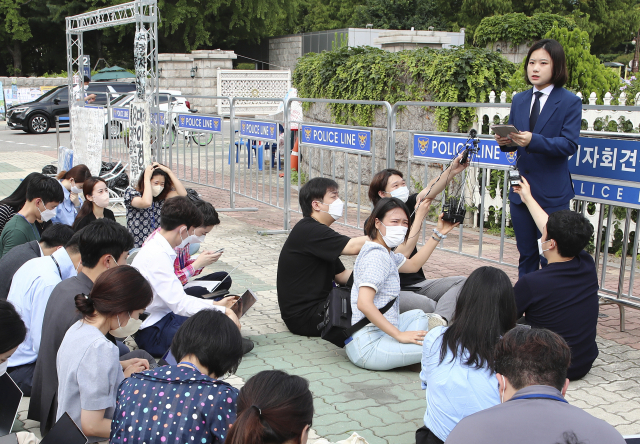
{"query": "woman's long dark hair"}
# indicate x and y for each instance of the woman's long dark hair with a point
(273, 407)
(168, 184)
(12, 328)
(78, 173)
(485, 310)
(17, 199)
(87, 205)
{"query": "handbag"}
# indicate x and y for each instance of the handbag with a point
(336, 326)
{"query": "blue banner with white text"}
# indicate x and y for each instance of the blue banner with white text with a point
(120, 113)
(200, 123)
(259, 130)
(345, 138)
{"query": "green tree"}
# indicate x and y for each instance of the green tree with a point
(586, 73)
(399, 14)
(517, 28)
(15, 15)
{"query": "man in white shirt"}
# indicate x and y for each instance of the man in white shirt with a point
(29, 293)
(171, 306)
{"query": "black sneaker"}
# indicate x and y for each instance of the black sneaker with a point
(247, 345)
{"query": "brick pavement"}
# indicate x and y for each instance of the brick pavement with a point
(381, 406)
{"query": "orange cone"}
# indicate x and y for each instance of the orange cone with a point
(294, 155)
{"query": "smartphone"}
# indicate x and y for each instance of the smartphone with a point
(244, 303)
(218, 251)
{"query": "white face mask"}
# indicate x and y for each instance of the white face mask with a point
(335, 209)
(47, 215)
(133, 325)
(540, 250)
(75, 189)
(3, 367)
(101, 200)
(156, 190)
(200, 239)
(395, 235)
(185, 241)
(401, 193)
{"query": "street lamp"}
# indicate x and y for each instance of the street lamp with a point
(634, 42)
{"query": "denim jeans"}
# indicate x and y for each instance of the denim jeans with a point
(373, 349)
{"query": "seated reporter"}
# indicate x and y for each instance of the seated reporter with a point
(309, 261)
(193, 403)
(392, 339)
(171, 306)
(53, 238)
(273, 408)
(531, 366)
(96, 194)
(457, 361)
(563, 296)
(89, 371)
(441, 294)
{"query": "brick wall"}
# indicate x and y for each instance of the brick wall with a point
(284, 52)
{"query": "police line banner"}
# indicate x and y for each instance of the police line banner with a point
(200, 123)
(344, 138)
(259, 130)
(120, 113)
(603, 170)
(157, 121)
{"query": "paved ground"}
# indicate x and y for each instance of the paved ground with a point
(384, 407)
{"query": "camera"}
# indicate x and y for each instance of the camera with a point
(514, 177)
(454, 210)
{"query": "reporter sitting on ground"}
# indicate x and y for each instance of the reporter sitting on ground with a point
(309, 262)
(563, 296)
(185, 267)
(457, 361)
(392, 339)
(52, 239)
(273, 408)
(30, 290)
(43, 196)
(441, 294)
(11, 204)
(96, 194)
(71, 182)
(156, 184)
(88, 366)
(207, 347)
(103, 245)
(531, 366)
(171, 306)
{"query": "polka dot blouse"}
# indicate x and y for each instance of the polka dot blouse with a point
(173, 404)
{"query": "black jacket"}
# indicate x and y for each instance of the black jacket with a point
(13, 260)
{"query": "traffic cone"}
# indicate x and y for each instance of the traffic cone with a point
(294, 155)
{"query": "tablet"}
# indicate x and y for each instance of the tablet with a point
(244, 303)
(10, 397)
(504, 130)
(64, 431)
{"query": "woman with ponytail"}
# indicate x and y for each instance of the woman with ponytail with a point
(89, 371)
(187, 401)
(273, 408)
(72, 182)
(96, 194)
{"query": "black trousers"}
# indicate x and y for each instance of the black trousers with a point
(426, 436)
(22, 375)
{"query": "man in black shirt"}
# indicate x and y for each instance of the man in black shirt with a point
(310, 258)
(563, 296)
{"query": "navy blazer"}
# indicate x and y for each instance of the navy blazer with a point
(545, 162)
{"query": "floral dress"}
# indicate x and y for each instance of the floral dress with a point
(141, 222)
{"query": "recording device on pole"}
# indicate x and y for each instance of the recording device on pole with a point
(454, 209)
(514, 176)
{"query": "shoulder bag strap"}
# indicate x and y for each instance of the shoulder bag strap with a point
(364, 321)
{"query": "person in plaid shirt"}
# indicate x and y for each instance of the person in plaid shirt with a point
(185, 267)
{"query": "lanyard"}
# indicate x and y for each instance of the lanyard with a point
(35, 233)
(540, 396)
(190, 365)
(57, 265)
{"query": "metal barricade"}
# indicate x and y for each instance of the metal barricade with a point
(116, 132)
(332, 150)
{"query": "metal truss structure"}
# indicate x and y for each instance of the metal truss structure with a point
(144, 13)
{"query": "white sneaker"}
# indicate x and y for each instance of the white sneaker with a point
(435, 320)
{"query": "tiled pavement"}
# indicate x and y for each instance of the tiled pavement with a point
(381, 406)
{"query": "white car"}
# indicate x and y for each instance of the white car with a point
(178, 105)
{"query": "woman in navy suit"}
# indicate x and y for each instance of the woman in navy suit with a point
(548, 119)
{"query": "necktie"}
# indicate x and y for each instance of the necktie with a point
(535, 111)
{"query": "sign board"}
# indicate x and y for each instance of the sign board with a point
(120, 113)
(139, 138)
(200, 123)
(154, 118)
(86, 66)
(259, 130)
(603, 170)
(344, 138)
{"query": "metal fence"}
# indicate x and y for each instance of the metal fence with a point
(250, 158)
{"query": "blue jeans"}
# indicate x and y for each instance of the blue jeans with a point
(373, 349)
